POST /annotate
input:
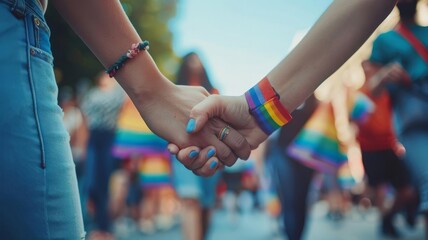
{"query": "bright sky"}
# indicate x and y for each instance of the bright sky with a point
(241, 40)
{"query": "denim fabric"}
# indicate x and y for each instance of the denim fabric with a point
(416, 141)
(38, 188)
(292, 181)
(99, 166)
(189, 185)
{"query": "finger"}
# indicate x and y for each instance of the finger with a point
(223, 152)
(209, 168)
(203, 157)
(173, 149)
(199, 115)
(188, 155)
(233, 139)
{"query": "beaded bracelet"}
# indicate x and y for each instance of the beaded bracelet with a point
(131, 53)
(266, 108)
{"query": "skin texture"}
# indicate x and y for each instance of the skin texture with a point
(341, 30)
(164, 106)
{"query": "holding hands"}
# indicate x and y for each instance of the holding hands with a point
(167, 115)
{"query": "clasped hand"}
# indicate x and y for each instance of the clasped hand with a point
(167, 114)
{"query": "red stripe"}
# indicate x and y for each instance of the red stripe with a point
(414, 41)
(282, 110)
(266, 89)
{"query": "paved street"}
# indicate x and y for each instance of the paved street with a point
(258, 226)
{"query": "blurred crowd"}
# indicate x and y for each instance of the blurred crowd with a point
(128, 179)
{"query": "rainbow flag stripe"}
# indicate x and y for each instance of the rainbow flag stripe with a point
(362, 109)
(266, 108)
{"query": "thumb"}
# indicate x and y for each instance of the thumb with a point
(211, 107)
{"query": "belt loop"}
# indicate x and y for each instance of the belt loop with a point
(18, 8)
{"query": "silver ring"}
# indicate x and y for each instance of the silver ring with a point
(223, 133)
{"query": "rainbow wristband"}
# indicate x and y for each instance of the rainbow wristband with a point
(266, 108)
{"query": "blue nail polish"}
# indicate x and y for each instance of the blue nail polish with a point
(213, 164)
(190, 125)
(211, 153)
(193, 154)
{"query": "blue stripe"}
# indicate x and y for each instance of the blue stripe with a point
(259, 94)
(267, 128)
(254, 97)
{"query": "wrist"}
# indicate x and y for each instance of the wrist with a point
(141, 79)
(268, 111)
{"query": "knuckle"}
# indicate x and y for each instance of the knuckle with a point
(224, 153)
(231, 161)
(239, 142)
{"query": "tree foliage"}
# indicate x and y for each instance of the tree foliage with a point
(74, 61)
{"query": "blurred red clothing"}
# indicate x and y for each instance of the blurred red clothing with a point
(376, 132)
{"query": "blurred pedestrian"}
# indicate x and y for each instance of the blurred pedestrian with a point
(291, 178)
(379, 147)
(403, 58)
(146, 166)
(101, 107)
(76, 126)
(198, 194)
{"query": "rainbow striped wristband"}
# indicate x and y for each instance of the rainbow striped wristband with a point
(266, 108)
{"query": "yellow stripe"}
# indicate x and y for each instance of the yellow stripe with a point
(278, 113)
(271, 112)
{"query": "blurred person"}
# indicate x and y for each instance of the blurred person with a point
(147, 88)
(197, 194)
(265, 107)
(238, 197)
(335, 197)
(379, 147)
(291, 178)
(75, 124)
(101, 107)
(145, 167)
(32, 118)
(401, 57)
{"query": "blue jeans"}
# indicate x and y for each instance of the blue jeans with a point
(292, 181)
(189, 185)
(415, 141)
(38, 187)
(99, 166)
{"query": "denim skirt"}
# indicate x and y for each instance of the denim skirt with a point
(38, 187)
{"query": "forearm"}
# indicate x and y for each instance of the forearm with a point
(340, 31)
(106, 30)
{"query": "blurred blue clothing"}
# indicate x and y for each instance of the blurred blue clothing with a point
(189, 185)
(409, 109)
(391, 47)
(38, 187)
(99, 166)
(410, 103)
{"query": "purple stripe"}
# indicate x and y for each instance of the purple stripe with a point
(253, 94)
(250, 101)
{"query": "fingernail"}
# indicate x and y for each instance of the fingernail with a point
(190, 125)
(213, 164)
(193, 154)
(211, 153)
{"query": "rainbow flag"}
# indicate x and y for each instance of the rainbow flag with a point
(362, 108)
(316, 145)
(133, 136)
(135, 140)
